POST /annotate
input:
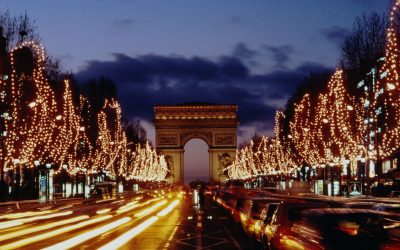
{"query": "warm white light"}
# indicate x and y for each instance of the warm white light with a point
(150, 209)
(36, 238)
(32, 104)
(74, 241)
(35, 229)
(391, 86)
(103, 211)
(126, 237)
(168, 209)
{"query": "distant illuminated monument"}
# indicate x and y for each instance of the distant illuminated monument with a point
(215, 124)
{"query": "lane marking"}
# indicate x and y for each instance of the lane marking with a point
(230, 236)
(166, 246)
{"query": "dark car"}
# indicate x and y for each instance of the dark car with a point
(250, 216)
(287, 213)
(265, 219)
(338, 228)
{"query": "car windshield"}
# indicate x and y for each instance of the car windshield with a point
(294, 213)
(258, 206)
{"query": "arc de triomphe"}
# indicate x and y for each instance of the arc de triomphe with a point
(217, 125)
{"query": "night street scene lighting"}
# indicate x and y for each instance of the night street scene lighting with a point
(200, 125)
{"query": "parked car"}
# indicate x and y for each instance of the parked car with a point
(338, 228)
(238, 206)
(265, 219)
(251, 213)
(390, 208)
(360, 204)
(394, 194)
(287, 213)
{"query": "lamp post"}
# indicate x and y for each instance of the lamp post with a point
(37, 177)
(2, 162)
(84, 182)
(362, 175)
(17, 179)
(48, 167)
(348, 172)
(64, 166)
(331, 168)
(325, 177)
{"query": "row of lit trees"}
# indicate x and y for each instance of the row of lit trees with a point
(263, 156)
(39, 129)
(331, 127)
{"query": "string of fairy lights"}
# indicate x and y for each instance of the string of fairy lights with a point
(331, 127)
(388, 95)
(38, 130)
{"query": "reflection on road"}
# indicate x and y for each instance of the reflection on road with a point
(103, 224)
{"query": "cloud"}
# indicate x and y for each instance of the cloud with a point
(235, 19)
(147, 80)
(281, 54)
(122, 23)
(335, 34)
(243, 52)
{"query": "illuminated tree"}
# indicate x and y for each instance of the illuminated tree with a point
(111, 144)
(302, 131)
(147, 165)
(70, 145)
(387, 102)
(29, 121)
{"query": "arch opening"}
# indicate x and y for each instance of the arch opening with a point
(196, 161)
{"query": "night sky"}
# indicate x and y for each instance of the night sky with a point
(252, 53)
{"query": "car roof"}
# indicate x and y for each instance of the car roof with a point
(261, 198)
(387, 205)
(332, 211)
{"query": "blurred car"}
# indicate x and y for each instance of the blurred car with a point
(390, 208)
(338, 228)
(234, 185)
(394, 194)
(265, 219)
(250, 215)
(287, 213)
(237, 208)
(360, 204)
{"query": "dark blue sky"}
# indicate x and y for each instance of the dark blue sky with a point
(248, 52)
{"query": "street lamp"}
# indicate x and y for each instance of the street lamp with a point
(48, 167)
(17, 178)
(331, 168)
(347, 166)
(362, 160)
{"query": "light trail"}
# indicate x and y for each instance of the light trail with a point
(150, 209)
(8, 224)
(67, 244)
(128, 207)
(103, 211)
(27, 241)
(24, 214)
(168, 209)
(41, 228)
(124, 238)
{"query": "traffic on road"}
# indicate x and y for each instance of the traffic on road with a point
(201, 216)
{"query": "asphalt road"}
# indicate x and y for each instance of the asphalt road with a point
(156, 221)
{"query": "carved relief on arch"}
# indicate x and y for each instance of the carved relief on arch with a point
(206, 136)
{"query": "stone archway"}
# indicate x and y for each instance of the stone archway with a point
(215, 124)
